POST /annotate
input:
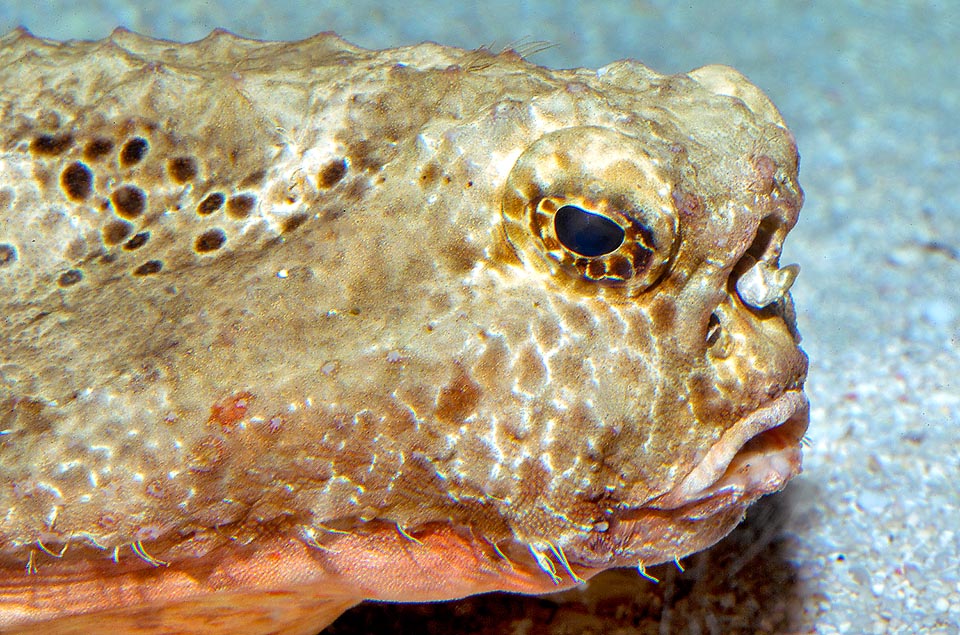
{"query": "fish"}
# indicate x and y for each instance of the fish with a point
(288, 326)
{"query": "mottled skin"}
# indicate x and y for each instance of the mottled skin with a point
(286, 326)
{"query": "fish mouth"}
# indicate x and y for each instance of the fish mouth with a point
(755, 456)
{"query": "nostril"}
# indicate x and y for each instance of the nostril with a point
(765, 247)
(713, 329)
(719, 343)
(768, 241)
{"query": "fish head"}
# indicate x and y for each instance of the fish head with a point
(662, 320)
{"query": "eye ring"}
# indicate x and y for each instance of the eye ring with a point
(591, 207)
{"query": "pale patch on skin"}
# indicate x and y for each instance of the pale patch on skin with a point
(287, 326)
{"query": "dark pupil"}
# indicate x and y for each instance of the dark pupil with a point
(586, 234)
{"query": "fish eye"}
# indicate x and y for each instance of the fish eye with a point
(590, 205)
(586, 233)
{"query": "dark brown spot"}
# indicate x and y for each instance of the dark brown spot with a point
(663, 313)
(292, 222)
(210, 204)
(129, 201)
(458, 399)
(182, 169)
(133, 151)
(8, 255)
(253, 180)
(460, 256)
(70, 278)
(619, 267)
(150, 267)
(42, 175)
(210, 240)
(429, 174)
(531, 191)
(51, 145)
(332, 173)
(25, 415)
(75, 249)
(116, 232)
(97, 148)
(137, 241)
(365, 156)
(592, 269)
(240, 206)
(77, 181)
(641, 258)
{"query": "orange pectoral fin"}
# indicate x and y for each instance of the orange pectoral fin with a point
(279, 584)
(275, 587)
(243, 613)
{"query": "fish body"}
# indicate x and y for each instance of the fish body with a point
(287, 326)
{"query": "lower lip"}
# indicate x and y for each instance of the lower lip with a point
(787, 413)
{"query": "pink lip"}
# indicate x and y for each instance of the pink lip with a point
(757, 455)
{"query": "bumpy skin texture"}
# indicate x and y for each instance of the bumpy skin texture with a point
(286, 326)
